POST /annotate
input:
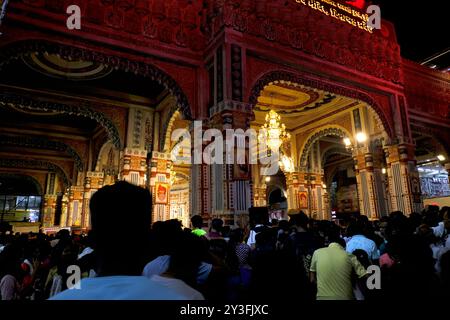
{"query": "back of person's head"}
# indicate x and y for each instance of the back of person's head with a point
(265, 240)
(186, 257)
(225, 231)
(197, 221)
(334, 237)
(426, 233)
(120, 220)
(283, 225)
(165, 235)
(300, 220)
(237, 236)
(355, 228)
(398, 225)
(362, 257)
(258, 215)
(217, 224)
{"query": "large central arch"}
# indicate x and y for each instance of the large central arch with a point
(288, 76)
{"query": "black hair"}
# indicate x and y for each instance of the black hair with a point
(217, 224)
(362, 257)
(186, 258)
(120, 219)
(197, 221)
(300, 219)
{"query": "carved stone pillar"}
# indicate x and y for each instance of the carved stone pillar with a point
(404, 181)
(371, 184)
(75, 206)
(50, 197)
(93, 181)
(64, 211)
(259, 191)
(49, 210)
(133, 166)
(293, 191)
(231, 184)
(316, 208)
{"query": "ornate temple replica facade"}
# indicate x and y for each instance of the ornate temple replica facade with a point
(81, 109)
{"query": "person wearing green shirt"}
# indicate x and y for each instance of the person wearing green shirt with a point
(332, 269)
(197, 224)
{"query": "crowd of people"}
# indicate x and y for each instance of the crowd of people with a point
(124, 256)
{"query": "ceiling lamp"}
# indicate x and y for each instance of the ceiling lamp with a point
(361, 137)
(273, 132)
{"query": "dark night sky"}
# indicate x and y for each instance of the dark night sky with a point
(422, 26)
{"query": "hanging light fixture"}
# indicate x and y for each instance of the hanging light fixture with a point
(274, 132)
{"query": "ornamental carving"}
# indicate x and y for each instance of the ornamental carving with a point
(176, 22)
(27, 103)
(36, 164)
(322, 133)
(303, 29)
(43, 143)
(74, 53)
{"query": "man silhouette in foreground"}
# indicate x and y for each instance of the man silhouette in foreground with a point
(121, 219)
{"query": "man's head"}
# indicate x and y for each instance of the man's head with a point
(355, 228)
(300, 220)
(120, 219)
(197, 222)
(217, 224)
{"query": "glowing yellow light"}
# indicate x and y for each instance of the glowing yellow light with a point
(347, 142)
(287, 164)
(274, 132)
(441, 157)
(267, 179)
(361, 137)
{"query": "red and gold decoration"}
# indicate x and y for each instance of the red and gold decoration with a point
(162, 193)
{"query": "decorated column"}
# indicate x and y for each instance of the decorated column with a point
(259, 188)
(75, 206)
(160, 174)
(50, 197)
(133, 166)
(404, 181)
(371, 190)
(231, 182)
(64, 210)
(92, 182)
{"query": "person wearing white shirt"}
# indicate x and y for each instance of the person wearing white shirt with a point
(160, 265)
(120, 245)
